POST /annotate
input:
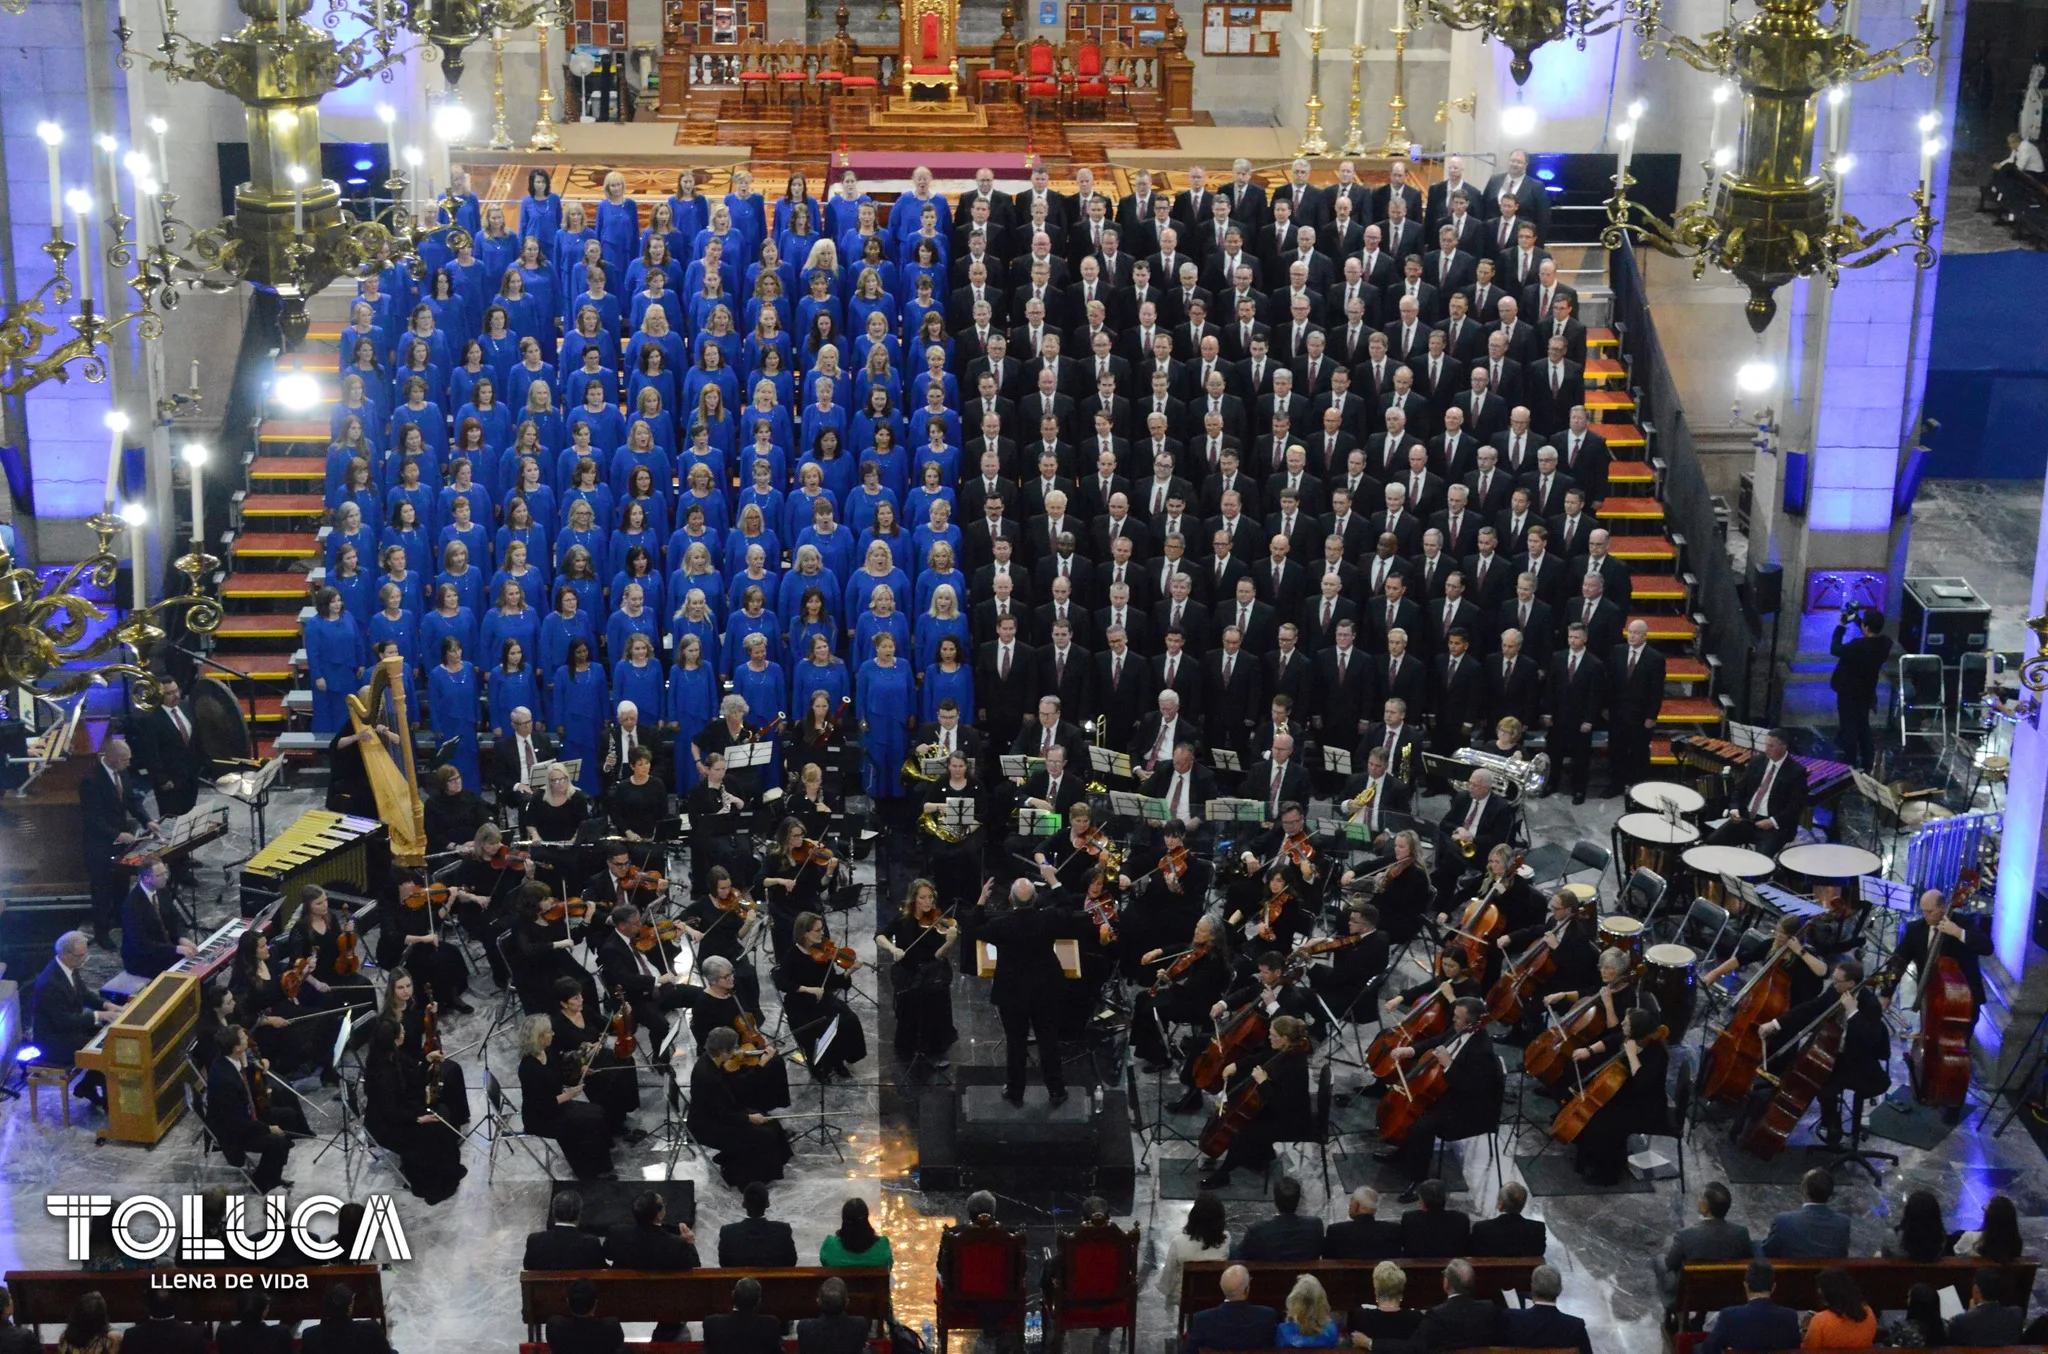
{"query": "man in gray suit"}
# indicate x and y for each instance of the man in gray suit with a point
(1815, 1232)
(1990, 1320)
(1712, 1239)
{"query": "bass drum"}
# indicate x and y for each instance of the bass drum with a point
(1668, 977)
(220, 727)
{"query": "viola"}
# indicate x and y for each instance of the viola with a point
(293, 980)
(624, 1045)
(1242, 1106)
(1300, 852)
(1236, 1036)
(433, 895)
(808, 852)
(1102, 909)
(1549, 1054)
(348, 956)
(503, 857)
(259, 1090)
(1737, 1052)
(1597, 1091)
(655, 934)
(1178, 969)
(754, 1046)
(1298, 962)
(1173, 866)
(637, 878)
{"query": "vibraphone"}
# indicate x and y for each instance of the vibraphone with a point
(334, 850)
(1719, 762)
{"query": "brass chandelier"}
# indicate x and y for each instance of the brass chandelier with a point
(1770, 216)
(1522, 26)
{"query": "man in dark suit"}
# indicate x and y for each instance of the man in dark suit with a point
(1279, 780)
(1288, 1234)
(1767, 809)
(1966, 944)
(1617, 583)
(1507, 1233)
(1514, 679)
(1811, 1232)
(1859, 662)
(1066, 669)
(231, 1113)
(152, 934)
(1713, 1239)
(66, 1012)
(1435, 1229)
(1457, 694)
(1256, 621)
(160, 1331)
(1571, 708)
(746, 1329)
(1635, 697)
(1005, 678)
(1470, 1105)
(1236, 1324)
(1233, 692)
(1530, 196)
(1990, 1321)
(1477, 815)
(623, 735)
(1541, 1325)
(833, 1330)
(1556, 386)
(1362, 1235)
(162, 740)
(582, 1331)
(649, 1241)
(563, 1244)
(1029, 984)
(1462, 1320)
(1583, 454)
(524, 746)
(1758, 1323)
(111, 809)
(756, 1241)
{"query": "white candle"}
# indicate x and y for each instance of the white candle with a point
(116, 423)
(195, 377)
(133, 515)
(1315, 13)
(81, 206)
(53, 137)
(163, 154)
(284, 14)
(195, 458)
(298, 176)
(1358, 25)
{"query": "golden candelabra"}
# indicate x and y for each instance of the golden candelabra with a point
(1313, 142)
(544, 136)
(1395, 145)
(1354, 135)
(1771, 217)
(1522, 26)
(501, 135)
(1467, 105)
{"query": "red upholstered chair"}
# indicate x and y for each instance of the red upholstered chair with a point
(1086, 81)
(792, 73)
(981, 1279)
(1117, 73)
(1094, 1283)
(1004, 81)
(930, 58)
(757, 74)
(1041, 75)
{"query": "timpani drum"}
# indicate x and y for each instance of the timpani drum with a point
(1668, 976)
(1830, 862)
(1653, 842)
(1584, 899)
(1709, 863)
(1622, 933)
(1666, 797)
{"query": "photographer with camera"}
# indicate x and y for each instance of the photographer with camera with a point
(1858, 664)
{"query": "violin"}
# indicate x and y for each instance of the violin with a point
(933, 971)
(1173, 866)
(842, 957)
(292, 980)
(754, 1046)
(1102, 909)
(808, 852)
(655, 934)
(1178, 969)
(1298, 962)
(1242, 1106)
(433, 895)
(569, 910)
(1737, 1053)
(1599, 1089)
(1236, 1036)
(503, 857)
(259, 1090)
(1301, 853)
(348, 955)
(621, 1028)
(637, 878)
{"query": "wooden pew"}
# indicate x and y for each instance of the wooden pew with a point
(45, 1297)
(1467, 1349)
(691, 1295)
(1348, 1282)
(1706, 1288)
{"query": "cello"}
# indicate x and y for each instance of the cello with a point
(1481, 922)
(1242, 1106)
(1236, 1034)
(1737, 1053)
(1549, 1054)
(1941, 1062)
(1430, 1017)
(1520, 977)
(1596, 1091)
(1800, 1083)
(1411, 1098)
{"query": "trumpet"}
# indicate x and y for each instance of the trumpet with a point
(1357, 807)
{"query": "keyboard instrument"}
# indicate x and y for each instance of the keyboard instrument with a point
(334, 850)
(142, 1056)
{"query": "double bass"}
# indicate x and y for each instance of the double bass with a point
(1799, 1084)
(1737, 1052)
(1941, 1058)
(1596, 1091)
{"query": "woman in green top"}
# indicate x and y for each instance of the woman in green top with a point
(856, 1244)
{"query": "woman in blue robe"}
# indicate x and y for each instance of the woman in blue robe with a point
(878, 570)
(540, 211)
(639, 677)
(334, 661)
(449, 617)
(692, 703)
(357, 589)
(693, 616)
(577, 699)
(512, 618)
(618, 224)
(633, 617)
(761, 681)
(881, 618)
(818, 670)
(567, 622)
(885, 699)
(513, 685)
(453, 694)
(392, 621)
(942, 619)
(949, 676)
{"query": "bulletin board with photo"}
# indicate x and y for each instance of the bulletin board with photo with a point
(1124, 24)
(1243, 30)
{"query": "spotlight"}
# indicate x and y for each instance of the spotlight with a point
(452, 123)
(195, 453)
(115, 422)
(134, 514)
(296, 391)
(1756, 376)
(1518, 119)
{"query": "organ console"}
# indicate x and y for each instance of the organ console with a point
(142, 1056)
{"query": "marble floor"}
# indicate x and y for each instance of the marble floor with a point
(459, 1293)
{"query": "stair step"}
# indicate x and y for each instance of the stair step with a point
(260, 625)
(1672, 629)
(318, 361)
(1661, 753)
(276, 545)
(1605, 369)
(1685, 669)
(254, 667)
(1630, 472)
(284, 505)
(1630, 510)
(1689, 710)
(1621, 436)
(1611, 406)
(274, 468)
(1636, 549)
(269, 710)
(1603, 340)
(1657, 588)
(294, 431)
(262, 587)
(323, 331)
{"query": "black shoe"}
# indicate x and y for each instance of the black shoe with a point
(1058, 1098)
(1152, 1069)
(1187, 1104)
(462, 1008)
(635, 1136)
(1828, 1134)
(1216, 1180)
(1578, 796)
(329, 1077)
(1387, 1154)
(1015, 1098)
(1409, 1195)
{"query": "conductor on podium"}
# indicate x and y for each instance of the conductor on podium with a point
(1028, 982)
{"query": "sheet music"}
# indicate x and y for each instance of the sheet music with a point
(750, 754)
(1110, 762)
(1337, 761)
(1015, 765)
(1749, 736)
(1226, 760)
(1127, 805)
(537, 778)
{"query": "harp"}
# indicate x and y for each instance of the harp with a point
(392, 778)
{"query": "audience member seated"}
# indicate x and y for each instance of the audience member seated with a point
(1814, 1231)
(1844, 1320)
(746, 1329)
(970, 1280)
(583, 1331)
(339, 1330)
(1507, 1233)
(1309, 1324)
(248, 1333)
(1205, 1236)
(1462, 1320)
(833, 1330)
(1287, 1235)
(1711, 1240)
(1362, 1236)
(1921, 1236)
(1387, 1319)
(1758, 1323)
(1434, 1231)
(21, 1340)
(563, 1244)
(648, 1242)
(1541, 1325)
(1997, 1238)
(856, 1244)
(1236, 1324)
(1990, 1319)
(88, 1331)
(1920, 1326)
(160, 1331)
(756, 1242)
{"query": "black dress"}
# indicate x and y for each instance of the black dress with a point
(1403, 903)
(810, 1017)
(745, 1152)
(430, 1154)
(724, 935)
(302, 1047)
(1287, 1113)
(536, 963)
(639, 809)
(451, 1090)
(1184, 1002)
(580, 1127)
(763, 1089)
(1639, 1107)
(439, 971)
(610, 1084)
(354, 990)
(558, 866)
(785, 903)
(923, 988)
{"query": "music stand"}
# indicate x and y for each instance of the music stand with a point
(1038, 822)
(1337, 761)
(1235, 811)
(673, 1133)
(824, 1131)
(1226, 760)
(253, 789)
(1018, 766)
(1124, 804)
(1108, 762)
(345, 1135)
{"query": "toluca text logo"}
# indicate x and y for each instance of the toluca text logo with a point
(146, 1229)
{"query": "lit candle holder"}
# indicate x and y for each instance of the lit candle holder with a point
(52, 136)
(137, 517)
(413, 159)
(1721, 94)
(298, 178)
(116, 424)
(80, 203)
(163, 154)
(195, 459)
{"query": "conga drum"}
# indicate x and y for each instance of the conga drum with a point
(1668, 976)
(1651, 841)
(1625, 934)
(1666, 798)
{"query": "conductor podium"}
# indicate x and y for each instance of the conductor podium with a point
(969, 1137)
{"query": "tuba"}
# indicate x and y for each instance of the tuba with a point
(1516, 777)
